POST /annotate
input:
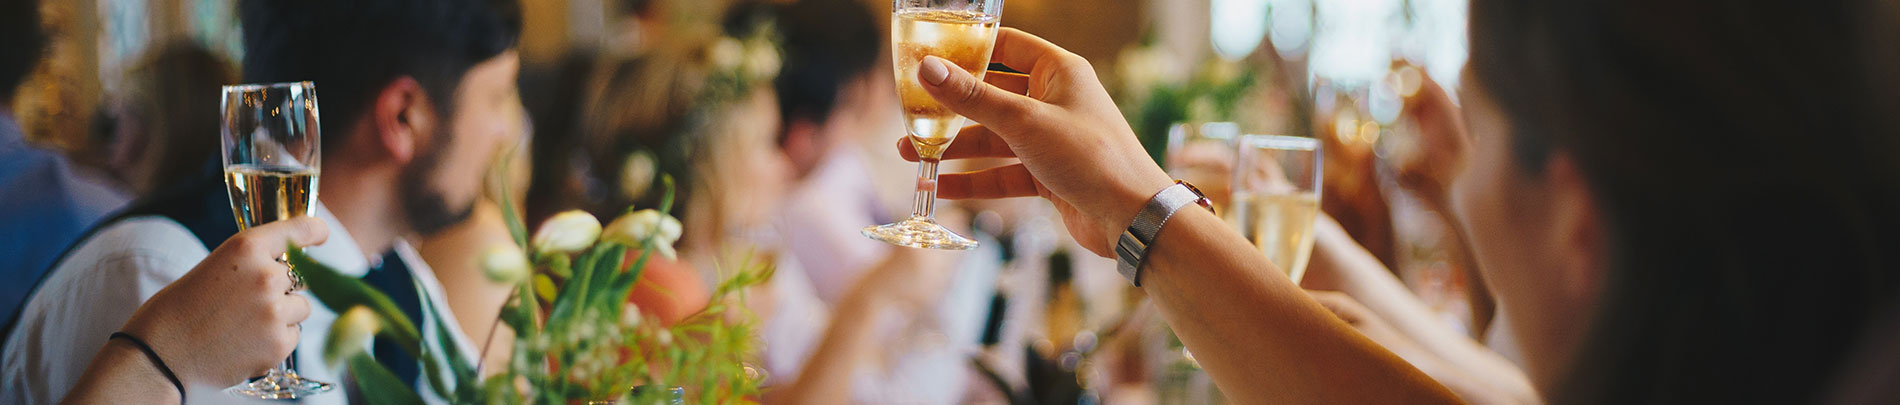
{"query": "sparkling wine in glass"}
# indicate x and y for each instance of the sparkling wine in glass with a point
(1276, 185)
(271, 161)
(962, 32)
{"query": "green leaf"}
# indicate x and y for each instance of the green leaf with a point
(380, 386)
(604, 272)
(338, 291)
(561, 266)
(623, 283)
(516, 228)
(574, 293)
(526, 308)
(511, 316)
(458, 365)
(666, 200)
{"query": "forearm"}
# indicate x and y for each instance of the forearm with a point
(826, 375)
(120, 373)
(1363, 277)
(1260, 337)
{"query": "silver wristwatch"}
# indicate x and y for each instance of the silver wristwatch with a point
(1132, 247)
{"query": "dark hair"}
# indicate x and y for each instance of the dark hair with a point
(21, 43)
(352, 48)
(1743, 157)
(827, 44)
(165, 92)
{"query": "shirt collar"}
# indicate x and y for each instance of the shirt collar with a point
(340, 251)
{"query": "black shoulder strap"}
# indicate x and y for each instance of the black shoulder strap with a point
(201, 205)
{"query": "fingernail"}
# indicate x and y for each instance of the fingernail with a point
(934, 70)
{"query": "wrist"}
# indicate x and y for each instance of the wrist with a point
(136, 357)
(1131, 201)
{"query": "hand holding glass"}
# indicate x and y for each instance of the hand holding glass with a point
(962, 32)
(271, 161)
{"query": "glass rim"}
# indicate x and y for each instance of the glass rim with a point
(1279, 142)
(898, 7)
(247, 87)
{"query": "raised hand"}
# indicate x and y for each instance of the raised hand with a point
(231, 317)
(1076, 149)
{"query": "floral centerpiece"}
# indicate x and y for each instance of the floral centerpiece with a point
(576, 339)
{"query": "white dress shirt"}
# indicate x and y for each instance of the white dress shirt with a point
(97, 287)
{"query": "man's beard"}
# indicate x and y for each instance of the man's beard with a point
(425, 207)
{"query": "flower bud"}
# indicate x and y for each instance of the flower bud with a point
(566, 232)
(506, 264)
(637, 227)
(351, 334)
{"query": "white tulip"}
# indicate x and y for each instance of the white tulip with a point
(727, 53)
(640, 226)
(506, 264)
(566, 232)
(351, 334)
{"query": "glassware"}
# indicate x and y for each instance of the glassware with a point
(1276, 197)
(1203, 155)
(271, 164)
(962, 32)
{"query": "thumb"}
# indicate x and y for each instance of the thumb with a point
(995, 108)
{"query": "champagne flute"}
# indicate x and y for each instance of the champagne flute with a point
(962, 32)
(271, 162)
(1276, 197)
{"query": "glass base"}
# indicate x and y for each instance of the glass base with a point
(279, 385)
(919, 232)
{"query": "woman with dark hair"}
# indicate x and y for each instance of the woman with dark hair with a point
(1674, 202)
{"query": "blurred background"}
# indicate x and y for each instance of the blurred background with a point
(127, 83)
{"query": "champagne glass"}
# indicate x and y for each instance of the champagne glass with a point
(1203, 154)
(271, 162)
(1276, 197)
(962, 32)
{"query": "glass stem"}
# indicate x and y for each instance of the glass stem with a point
(926, 206)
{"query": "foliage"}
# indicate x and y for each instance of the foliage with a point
(1155, 95)
(575, 335)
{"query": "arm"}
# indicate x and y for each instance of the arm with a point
(1259, 336)
(121, 373)
(905, 280)
(1363, 278)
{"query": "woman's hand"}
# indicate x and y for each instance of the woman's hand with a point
(1076, 149)
(231, 317)
(1441, 148)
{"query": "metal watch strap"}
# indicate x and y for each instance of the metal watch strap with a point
(1132, 248)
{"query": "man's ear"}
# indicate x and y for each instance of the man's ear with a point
(1577, 229)
(401, 118)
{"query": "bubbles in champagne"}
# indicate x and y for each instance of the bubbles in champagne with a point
(961, 37)
(1280, 225)
(263, 194)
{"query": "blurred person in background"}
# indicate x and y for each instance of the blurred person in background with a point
(165, 130)
(834, 90)
(416, 95)
(712, 124)
(46, 202)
